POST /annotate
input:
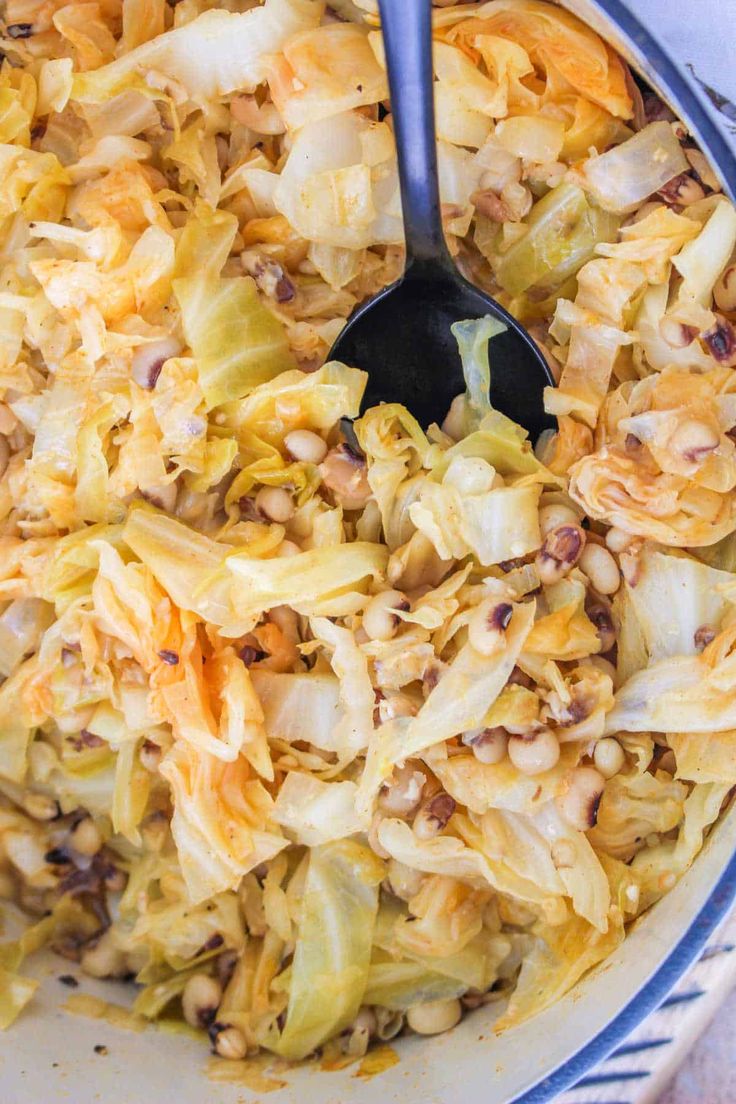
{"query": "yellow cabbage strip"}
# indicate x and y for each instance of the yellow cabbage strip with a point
(560, 957)
(554, 39)
(697, 692)
(221, 819)
(455, 858)
(237, 343)
(482, 786)
(333, 947)
(215, 53)
(322, 581)
(15, 993)
(705, 756)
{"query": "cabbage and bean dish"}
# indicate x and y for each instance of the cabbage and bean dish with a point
(319, 726)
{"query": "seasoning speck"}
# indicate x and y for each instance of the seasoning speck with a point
(57, 856)
(211, 944)
(100, 1049)
(69, 980)
(251, 655)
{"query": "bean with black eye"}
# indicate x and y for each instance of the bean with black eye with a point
(200, 1000)
(434, 1017)
(536, 753)
(560, 552)
(693, 440)
(275, 503)
(601, 568)
(724, 291)
(228, 1041)
(401, 795)
(380, 620)
(598, 610)
(554, 515)
(4, 455)
(609, 757)
(305, 446)
(682, 190)
(85, 837)
(344, 473)
(488, 625)
(578, 805)
(721, 341)
(149, 360)
(489, 745)
(433, 816)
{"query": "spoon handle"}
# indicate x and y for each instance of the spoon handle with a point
(407, 37)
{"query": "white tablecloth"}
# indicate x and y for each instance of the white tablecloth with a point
(701, 33)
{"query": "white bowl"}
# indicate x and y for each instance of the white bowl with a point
(49, 1056)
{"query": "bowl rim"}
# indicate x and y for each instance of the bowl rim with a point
(653, 58)
(646, 1000)
(680, 89)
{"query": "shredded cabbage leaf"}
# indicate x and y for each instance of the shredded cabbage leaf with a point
(333, 947)
(236, 342)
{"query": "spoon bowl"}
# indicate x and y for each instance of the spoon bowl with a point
(402, 336)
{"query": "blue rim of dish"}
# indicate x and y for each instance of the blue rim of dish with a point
(653, 58)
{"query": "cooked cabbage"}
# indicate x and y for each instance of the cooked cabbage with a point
(302, 703)
(333, 946)
(625, 176)
(214, 54)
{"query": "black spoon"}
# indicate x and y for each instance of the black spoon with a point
(401, 336)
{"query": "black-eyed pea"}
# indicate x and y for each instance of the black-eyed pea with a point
(275, 503)
(488, 624)
(104, 959)
(693, 440)
(555, 514)
(489, 745)
(724, 291)
(344, 473)
(559, 553)
(149, 359)
(400, 796)
(578, 805)
(380, 620)
(598, 610)
(601, 568)
(85, 837)
(608, 756)
(536, 753)
(405, 881)
(200, 1000)
(433, 816)
(41, 806)
(4, 455)
(306, 446)
(228, 1041)
(434, 1017)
